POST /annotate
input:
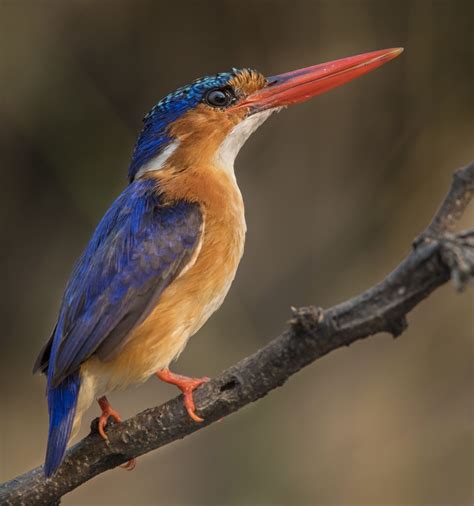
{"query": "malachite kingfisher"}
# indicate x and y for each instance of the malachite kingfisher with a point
(164, 255)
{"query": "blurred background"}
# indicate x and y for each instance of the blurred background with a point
(335, 191)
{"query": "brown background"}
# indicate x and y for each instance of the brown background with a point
(335, 191)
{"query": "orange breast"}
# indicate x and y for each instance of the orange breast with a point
(190, 300)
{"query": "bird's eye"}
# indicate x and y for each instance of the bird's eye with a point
(218, 98)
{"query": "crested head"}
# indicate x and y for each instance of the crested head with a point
(196, 112)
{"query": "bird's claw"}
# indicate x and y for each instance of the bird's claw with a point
(130, 465)
(107, 412)
(187, 386)
(188, 397)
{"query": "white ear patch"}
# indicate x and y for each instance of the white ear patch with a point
(236, 138)
(159, 161)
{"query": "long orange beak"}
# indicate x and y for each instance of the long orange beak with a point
(300, 85)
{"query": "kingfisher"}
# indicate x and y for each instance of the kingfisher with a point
(164, 255)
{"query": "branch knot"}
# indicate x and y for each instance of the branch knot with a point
(307, 319)
(457, 253)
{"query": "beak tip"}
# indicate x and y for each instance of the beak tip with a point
(394, 52)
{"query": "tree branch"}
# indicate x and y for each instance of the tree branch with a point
(437, 256)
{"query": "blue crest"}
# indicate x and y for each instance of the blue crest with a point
(154, 138)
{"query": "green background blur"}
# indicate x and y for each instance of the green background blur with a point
(335, 191)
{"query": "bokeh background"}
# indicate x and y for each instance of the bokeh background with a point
(335, 191)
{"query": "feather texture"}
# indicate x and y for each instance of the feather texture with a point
(154, 136)
(62, 402)
(139, 247)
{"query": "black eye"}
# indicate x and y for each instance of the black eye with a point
(218, 98)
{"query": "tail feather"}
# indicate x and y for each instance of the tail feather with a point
(62, 401)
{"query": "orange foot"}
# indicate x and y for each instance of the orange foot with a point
(186, 385)
(108, 411)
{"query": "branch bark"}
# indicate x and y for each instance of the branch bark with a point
(438, 255)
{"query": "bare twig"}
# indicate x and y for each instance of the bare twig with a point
(438, 255)
(454, 204)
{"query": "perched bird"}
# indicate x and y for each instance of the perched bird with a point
(164, 255)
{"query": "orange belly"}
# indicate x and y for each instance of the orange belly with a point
(187, 303)
(184, 306)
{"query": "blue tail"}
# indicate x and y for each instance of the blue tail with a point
(62, 402)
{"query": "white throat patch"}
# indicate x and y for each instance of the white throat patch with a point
(236, 138)
(159, 161)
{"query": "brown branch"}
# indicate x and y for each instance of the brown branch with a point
(438, 255)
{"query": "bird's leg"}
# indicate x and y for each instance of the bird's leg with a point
(108, 411)
(186, 385)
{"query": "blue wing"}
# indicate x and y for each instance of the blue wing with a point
(139, 247)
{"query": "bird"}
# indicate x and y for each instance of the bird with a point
(165, 254)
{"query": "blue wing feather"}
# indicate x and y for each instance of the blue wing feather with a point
(138, 248)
